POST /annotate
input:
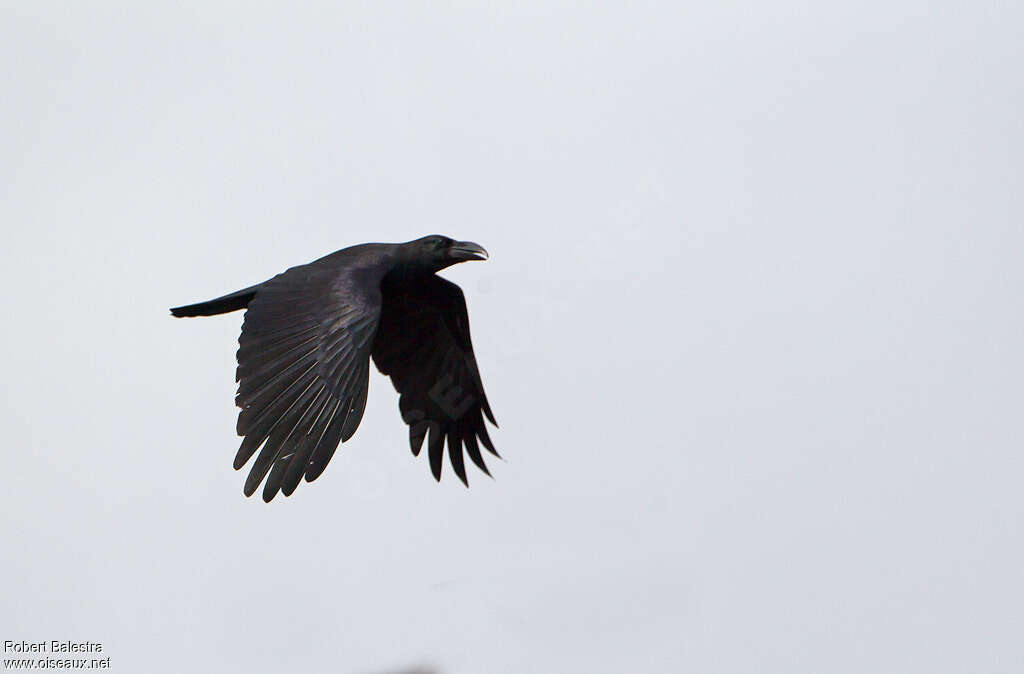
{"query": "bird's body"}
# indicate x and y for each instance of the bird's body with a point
(307, 340)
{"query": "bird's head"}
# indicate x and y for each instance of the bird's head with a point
(435, 252)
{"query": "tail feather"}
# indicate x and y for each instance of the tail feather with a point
(221, 305)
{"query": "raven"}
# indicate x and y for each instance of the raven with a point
(304, 358)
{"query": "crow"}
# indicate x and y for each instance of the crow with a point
(304, 358)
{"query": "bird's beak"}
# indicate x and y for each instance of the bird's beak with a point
(467, 250)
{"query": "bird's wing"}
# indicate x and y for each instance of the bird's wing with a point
(423, 344)
(303, 364)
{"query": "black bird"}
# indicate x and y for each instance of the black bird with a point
(305, 348)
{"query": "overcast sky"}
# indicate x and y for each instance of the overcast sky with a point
(751, 327)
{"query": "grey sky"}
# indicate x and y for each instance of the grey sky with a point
(751, 328)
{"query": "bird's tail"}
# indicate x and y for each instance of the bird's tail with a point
(221, 305)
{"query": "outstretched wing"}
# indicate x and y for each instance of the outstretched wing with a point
(303, 364)
(423, 344)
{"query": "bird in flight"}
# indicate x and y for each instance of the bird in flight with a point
(304, 358)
